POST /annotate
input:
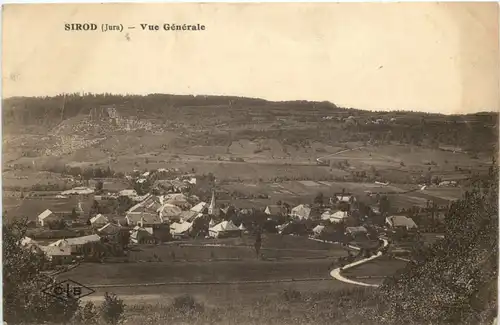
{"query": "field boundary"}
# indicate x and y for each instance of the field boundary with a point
(132, 285)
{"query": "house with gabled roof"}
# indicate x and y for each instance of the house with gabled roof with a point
(76, 244)
(275, 210)
(57, 255)
(99, 220)
(301, 212)
(46, 217)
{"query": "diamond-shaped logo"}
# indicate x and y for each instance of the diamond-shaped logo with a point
(68, 289)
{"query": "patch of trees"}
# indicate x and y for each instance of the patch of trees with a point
(85, 173)
(453, 281)
(51, 187)
(117, 207)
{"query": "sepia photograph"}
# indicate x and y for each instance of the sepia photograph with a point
(250, 163)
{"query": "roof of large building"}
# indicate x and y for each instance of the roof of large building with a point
(199, 207)
(356, 230)
(76, 241)
(224, 226)
(146, 217)
(190, 215)
(179, 228)
(401, 221)
(99, 218)
(169, 210)
(56, 251)
(301, 211)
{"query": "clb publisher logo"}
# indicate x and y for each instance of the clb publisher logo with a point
(68, 289)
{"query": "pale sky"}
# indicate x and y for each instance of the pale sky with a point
(437, 57)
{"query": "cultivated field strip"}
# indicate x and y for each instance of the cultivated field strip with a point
(131, 285)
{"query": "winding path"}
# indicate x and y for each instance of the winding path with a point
(336, 273)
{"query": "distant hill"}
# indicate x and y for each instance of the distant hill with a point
(224, 117)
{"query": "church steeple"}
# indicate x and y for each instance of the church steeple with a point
(211, 207)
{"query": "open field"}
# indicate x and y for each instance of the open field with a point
(31, 207)
(218, 282)
(128, 273)
(305, 191)
(214, 295)
(273, 247)
(382, 266)
(271, 241)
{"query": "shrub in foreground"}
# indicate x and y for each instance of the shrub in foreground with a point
(112, 309)
(186, 304)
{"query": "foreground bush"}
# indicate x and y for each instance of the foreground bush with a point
(186, 304)
(112, 309)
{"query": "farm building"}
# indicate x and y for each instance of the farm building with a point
(224, 229)
(46, 217)
(57, 255)
(400, 222)
(98, 220)
(77, 243)
(301, 212)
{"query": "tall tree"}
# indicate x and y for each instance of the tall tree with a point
(385, 205)
(319, 199)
